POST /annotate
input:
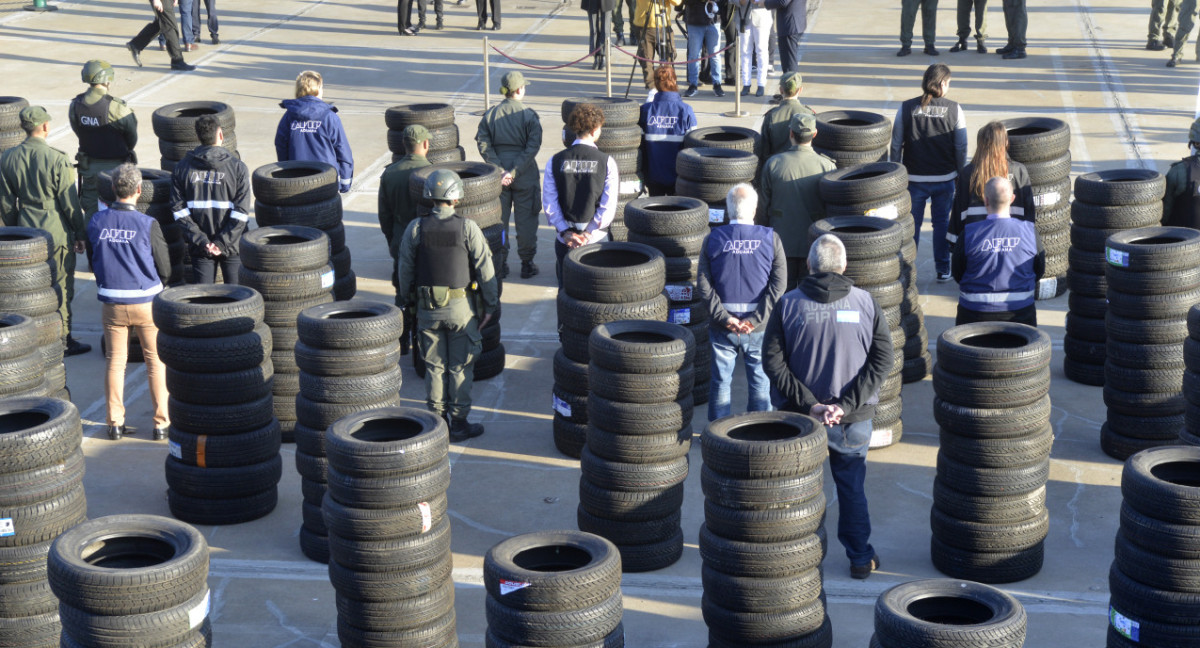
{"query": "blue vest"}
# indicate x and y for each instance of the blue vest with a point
(999, 275)
(740, 258)
(122, 257)
(828, 344)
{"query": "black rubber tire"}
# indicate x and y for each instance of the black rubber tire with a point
(27, 487)
(429, 115)
(1083, 373)
(33, 303)
(570, 376)
(284, 248)
(228, 388)
(761, 594)
(644, 448)
(343, 362)
(666, 216)
(225, 450)
(635, 419)
(993, 350)
(1170, 540)
(623, 476)
(1156, 570)
(387, 586)
(390, 492)
(1009, 480)
(639, 532)
(441, 138)
(629, 505)
(351, 389)
(128, 564)
(10, 113)
(352, 522)
(730, 137)
(179, 626)
(387, 442)
(237, 352)
(583, 316)
(1152, 306)
(222, 483)
(764, 628)
(847, 159)
(1134, 599)
(1085, 352)
(220, 419)
(323, 214)
(1134, 403)
(990, 537)
(764, 445)
(25, 278)
(852, 130)
(1152, 283)
(357, 324)
(641, 388)
(680, 245)
(560, 571)
(200, 311)
(997, 453)
(1143, 380)
(874, 271)
(762, 559)
(1088, 215)
(177, 122)
(947, 614)
(864, 183)
(1088, 285)
(865, 237)
(392, 555)
(317, 415)
(42, 521)
(1115, 187)
(37, 432)
(1154, 249)
(294, 182)
(641, 347)
(719, 165)
(1049, 171)
(617, 111)
(764, 520)
(1036, 138)
(1088, 329)
(445, 156)
(1144, 331)
(569, 437)
(1159, 483)
(988, 508)
(991, 393)
(1006, 567)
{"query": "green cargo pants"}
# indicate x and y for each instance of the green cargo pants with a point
(88, 194)
(62, 265)
(1187, 20)
(908, 17)
(1164, 18)
(964, 18)
(1017, 21)
(522, 201)
(449, 349)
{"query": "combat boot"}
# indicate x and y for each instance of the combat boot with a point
(461, 430)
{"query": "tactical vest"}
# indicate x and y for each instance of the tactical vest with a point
(579, 174)
(122, 256)
(442, 258)
(929, 152)
(1186, 210)
(999, 276)
(97, 139)
(828, 344)
(740, 258)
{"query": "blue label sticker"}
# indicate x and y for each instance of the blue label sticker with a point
(680, 316)
(847, 317)
(7, 528)
(1125, 626)
(1116, 257)
(561, 406)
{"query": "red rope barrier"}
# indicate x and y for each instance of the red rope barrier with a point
(547, 67)
(697, 60)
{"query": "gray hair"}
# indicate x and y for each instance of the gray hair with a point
(998, 193)
(125, 181)
(827, 254)
(741, 203)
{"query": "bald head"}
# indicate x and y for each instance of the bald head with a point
(998, 196)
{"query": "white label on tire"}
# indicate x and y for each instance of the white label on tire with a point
(1127, 627)
(680, 316)
(1047, 288)
(680, 293)
(562, 407)
(716, 215)
(630, 187)
(1116, 257)
(175, 450)
(198, 614)
(7, 528)
(327, 279)
(508, 586)
(1041, 200)
(887, 211)
(881, 438)
(426, 516)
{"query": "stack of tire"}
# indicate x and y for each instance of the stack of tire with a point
(992, 404)
(1106, 202)
(289, 266)
(389, 536)
(305, 193)
(635, 461)
(41, 496)
(155, 201)
(223, 464)
(1191, 379)
(763, 537)
(602, 283)
(880, 190)
(438, 118)
(873, 263)
(1152, 589)
(555, 589)
(1153, 283)
(944, 612)
(480, 203)
(853, 137)
(23, 370)
(1043, 145)
(621, 138)
(348, 355)
(11, 132)
(132, 580)
(708, 173)
(175, 127)
(27, 288)
(676, 226)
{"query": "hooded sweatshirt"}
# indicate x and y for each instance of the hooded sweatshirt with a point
(210, 197)
(312, 130)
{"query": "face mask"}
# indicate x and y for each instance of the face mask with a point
(1192, 150)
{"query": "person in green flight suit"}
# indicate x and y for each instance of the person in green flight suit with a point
(908, 18)
(776, 136)
(509, 137)
(106, 128)
(397, 208)
(1164, 20)
(790, 193)
(1187, 20)
(445, 271)
(37, 189)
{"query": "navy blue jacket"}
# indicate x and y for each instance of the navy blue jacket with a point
(312, 130)
(792, 17)
(129, 255)
(997, 264)
(664, 120)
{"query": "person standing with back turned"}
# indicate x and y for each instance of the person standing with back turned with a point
(312, 130)
(791, 19)
(107, 132)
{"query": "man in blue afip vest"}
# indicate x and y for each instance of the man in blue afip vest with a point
(997, 263)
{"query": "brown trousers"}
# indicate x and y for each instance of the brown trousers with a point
(118, 319)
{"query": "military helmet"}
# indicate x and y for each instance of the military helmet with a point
(97, 71)
(443, 184)
(1194, 131)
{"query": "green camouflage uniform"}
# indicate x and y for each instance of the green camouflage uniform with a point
(791, 199)
(775, 138)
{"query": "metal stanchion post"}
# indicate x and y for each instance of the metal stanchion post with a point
(40, 5)
(737, 75)
(487, 79)
(608, 63)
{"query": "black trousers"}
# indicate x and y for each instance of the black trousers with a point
(204, 269)
(481, 6)
(210, 8)
(404, 10)
(164, 23)
(598, 31)
(1027, 315)
(789, 51)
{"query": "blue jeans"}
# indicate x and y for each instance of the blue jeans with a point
(848, 463)
(703, 36)
(726, 346)
(185, 21)
(940, 195)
